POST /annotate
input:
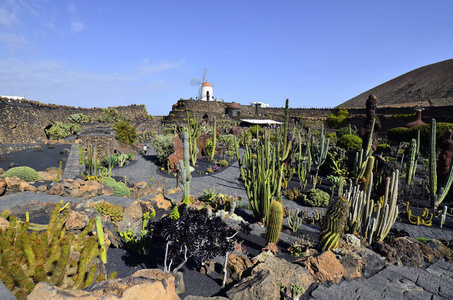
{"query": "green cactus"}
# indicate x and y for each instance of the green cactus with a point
(366, 178)
(333, 224)
(107, 209)
(318, 152)
(425, 218)
(25, 173)
(214, 139)
(274, 225)
(432, 163)
(193, 129)
(294, 220)
(283, 154)
(100, 234)
(186, 169)
(174, 214)
(411, 162)
(361, 159)
(28, 257)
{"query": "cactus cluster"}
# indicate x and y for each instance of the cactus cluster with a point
(25, 173)
(294, 220)
(333, 224)
(425, 218)
(318, 151)
(67, 261)
(108, 209)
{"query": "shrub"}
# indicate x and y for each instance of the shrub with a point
(245, 138)
(402, 134)
(345, 130)
(163, 145)
(110, 115)
(80, 118)
(125, 132)
(255, 130)
(111, 160)
(316, 198)
(209, 146)
(335, 120)
(223, 163)
(25, 173)
(384, 148)
(350, 141)
(120, 188)
(60, 130)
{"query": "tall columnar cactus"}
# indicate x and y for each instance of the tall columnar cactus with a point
(366, 178)
(260, 178)
(283, 154)
(432, 163)
(239, 158)
(193, 128)
(186, 169)
(377, 227)
(214, 139)
(411, 163)
(299, 160)
(319, 151)
(333, 224)
(362, 219)
(274, 225)
(361, 159)
(100, 234)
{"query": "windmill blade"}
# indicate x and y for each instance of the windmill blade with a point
(195, 81)
(199, 94)
(205, 75)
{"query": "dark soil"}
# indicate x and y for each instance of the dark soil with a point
(35, 158)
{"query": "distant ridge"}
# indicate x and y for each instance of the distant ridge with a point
(433, 83)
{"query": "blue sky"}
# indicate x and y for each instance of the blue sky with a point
(317, 53)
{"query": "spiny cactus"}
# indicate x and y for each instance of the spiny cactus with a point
(294, 220)
(425, 218)
(193, 128)
(214, 139)
(66, 261)
(274, 225)
(333, 224)
(318, 151)
(186, 169)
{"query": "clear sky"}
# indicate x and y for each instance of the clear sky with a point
(317, 53)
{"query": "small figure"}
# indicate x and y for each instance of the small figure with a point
(145, 148)
(365, 132)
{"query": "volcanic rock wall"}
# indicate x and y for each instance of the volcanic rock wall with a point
(24, 121)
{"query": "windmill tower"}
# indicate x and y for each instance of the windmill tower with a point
(205, 93)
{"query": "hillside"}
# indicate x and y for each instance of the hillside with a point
(432, 82)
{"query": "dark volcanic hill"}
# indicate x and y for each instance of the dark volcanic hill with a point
(432, 82)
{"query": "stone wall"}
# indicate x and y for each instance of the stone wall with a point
(24, 121)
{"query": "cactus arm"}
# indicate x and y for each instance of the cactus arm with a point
(100, 234)
(444, 190)
(411, 162)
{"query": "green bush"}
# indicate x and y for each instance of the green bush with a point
(335, 120)
(350, 141)
(383, 148)
(110, 115)
(125, 132)
(120, 188)
(402, 134)
(345, 130)
(255, 130)
(316, 198)
(163, 145)
(80, 118)
(25, 173)
(61, 130)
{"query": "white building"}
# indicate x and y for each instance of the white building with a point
(206, 92)
(15, 97)
(260, 104)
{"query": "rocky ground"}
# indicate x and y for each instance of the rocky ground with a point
(357, 272)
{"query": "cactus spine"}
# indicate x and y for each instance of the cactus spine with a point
(274, 225)
(333, 225)
(186, 169)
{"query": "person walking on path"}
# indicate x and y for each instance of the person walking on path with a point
(145, 148)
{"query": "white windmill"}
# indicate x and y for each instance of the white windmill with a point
(205, 93)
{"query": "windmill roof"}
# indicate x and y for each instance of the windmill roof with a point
(206, 84)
